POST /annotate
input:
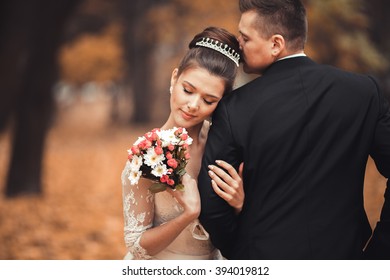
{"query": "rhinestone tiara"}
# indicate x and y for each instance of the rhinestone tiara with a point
(221, 48)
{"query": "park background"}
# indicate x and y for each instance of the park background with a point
(81, 79)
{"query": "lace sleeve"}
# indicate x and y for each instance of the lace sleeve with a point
(138, 212)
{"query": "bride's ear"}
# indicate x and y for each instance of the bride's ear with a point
(174, 76)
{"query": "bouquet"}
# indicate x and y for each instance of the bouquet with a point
(161, 156)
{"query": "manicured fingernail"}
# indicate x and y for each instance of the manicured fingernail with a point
(211, 173)
(211, 167)
(218, 161)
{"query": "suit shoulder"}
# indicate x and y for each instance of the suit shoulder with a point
(243, 91)
(342, 73)
(344, 76)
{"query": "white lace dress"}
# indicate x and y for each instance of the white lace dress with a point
(143, 210)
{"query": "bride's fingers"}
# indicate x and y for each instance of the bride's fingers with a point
(232, 178)
(225, 196)
(223, 180)
(189, 197)
(227, 183)
(234, 200)
(241, 169)
(225, 175)
(230, 169)
(176, 194)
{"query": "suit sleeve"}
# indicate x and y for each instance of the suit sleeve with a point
(379, 245)
(217, 216)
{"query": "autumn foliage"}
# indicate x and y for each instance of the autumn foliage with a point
(78, 214)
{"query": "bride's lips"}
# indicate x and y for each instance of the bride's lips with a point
(186, 115)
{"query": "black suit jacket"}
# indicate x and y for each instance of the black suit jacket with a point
(304, 132)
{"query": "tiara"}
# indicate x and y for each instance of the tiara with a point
(221, 48)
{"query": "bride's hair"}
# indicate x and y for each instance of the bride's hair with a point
(212, 59)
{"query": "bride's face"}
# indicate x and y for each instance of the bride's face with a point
(195, 95)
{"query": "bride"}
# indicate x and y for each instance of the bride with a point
(165, 225)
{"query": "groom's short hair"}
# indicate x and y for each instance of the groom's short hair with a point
(284, 17)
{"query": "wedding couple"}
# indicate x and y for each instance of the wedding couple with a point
(303, 132)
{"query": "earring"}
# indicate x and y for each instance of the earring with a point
(210, 121)
(170, 90)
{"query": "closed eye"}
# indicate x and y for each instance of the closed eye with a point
(210, 99)
(187, 90)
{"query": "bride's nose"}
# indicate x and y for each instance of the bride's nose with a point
(193, 103)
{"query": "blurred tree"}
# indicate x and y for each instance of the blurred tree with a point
(175, 23)
(178, 21)
(139, 43)
(91, 17)
(338, 35)
(94, 52)
(93, 57)
(31, 34)
(92, 49)
(156, 32)
(379, 13)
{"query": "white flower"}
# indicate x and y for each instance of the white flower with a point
(159, 170)
(168, 137)
(188, 141)
(134, 177)
(139, 140)
(136, 163)
(152, 159)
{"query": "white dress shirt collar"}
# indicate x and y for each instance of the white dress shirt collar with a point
(291, 56)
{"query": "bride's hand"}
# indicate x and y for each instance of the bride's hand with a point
(189, 197)
(228, 185)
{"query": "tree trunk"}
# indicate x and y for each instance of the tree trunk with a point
(139, 45)
(379, 12)
(13, 56)
(33, 36)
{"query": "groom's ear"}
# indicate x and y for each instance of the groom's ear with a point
(278, 45)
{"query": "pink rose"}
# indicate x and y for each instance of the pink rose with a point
(158, 150)
(171, 182)
(172, 163)
(168, 155)
(148, 136)
(154, 136)
(179, 131)
(146, 144)
(135, 150)
(164, 178)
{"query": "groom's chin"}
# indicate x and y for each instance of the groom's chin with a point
(248, 70)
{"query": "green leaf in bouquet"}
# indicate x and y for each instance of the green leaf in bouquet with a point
(179, 187)
(157, 187)
(181, 172)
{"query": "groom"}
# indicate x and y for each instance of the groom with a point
(304, 132)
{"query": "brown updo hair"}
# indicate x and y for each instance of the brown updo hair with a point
(213, 61)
